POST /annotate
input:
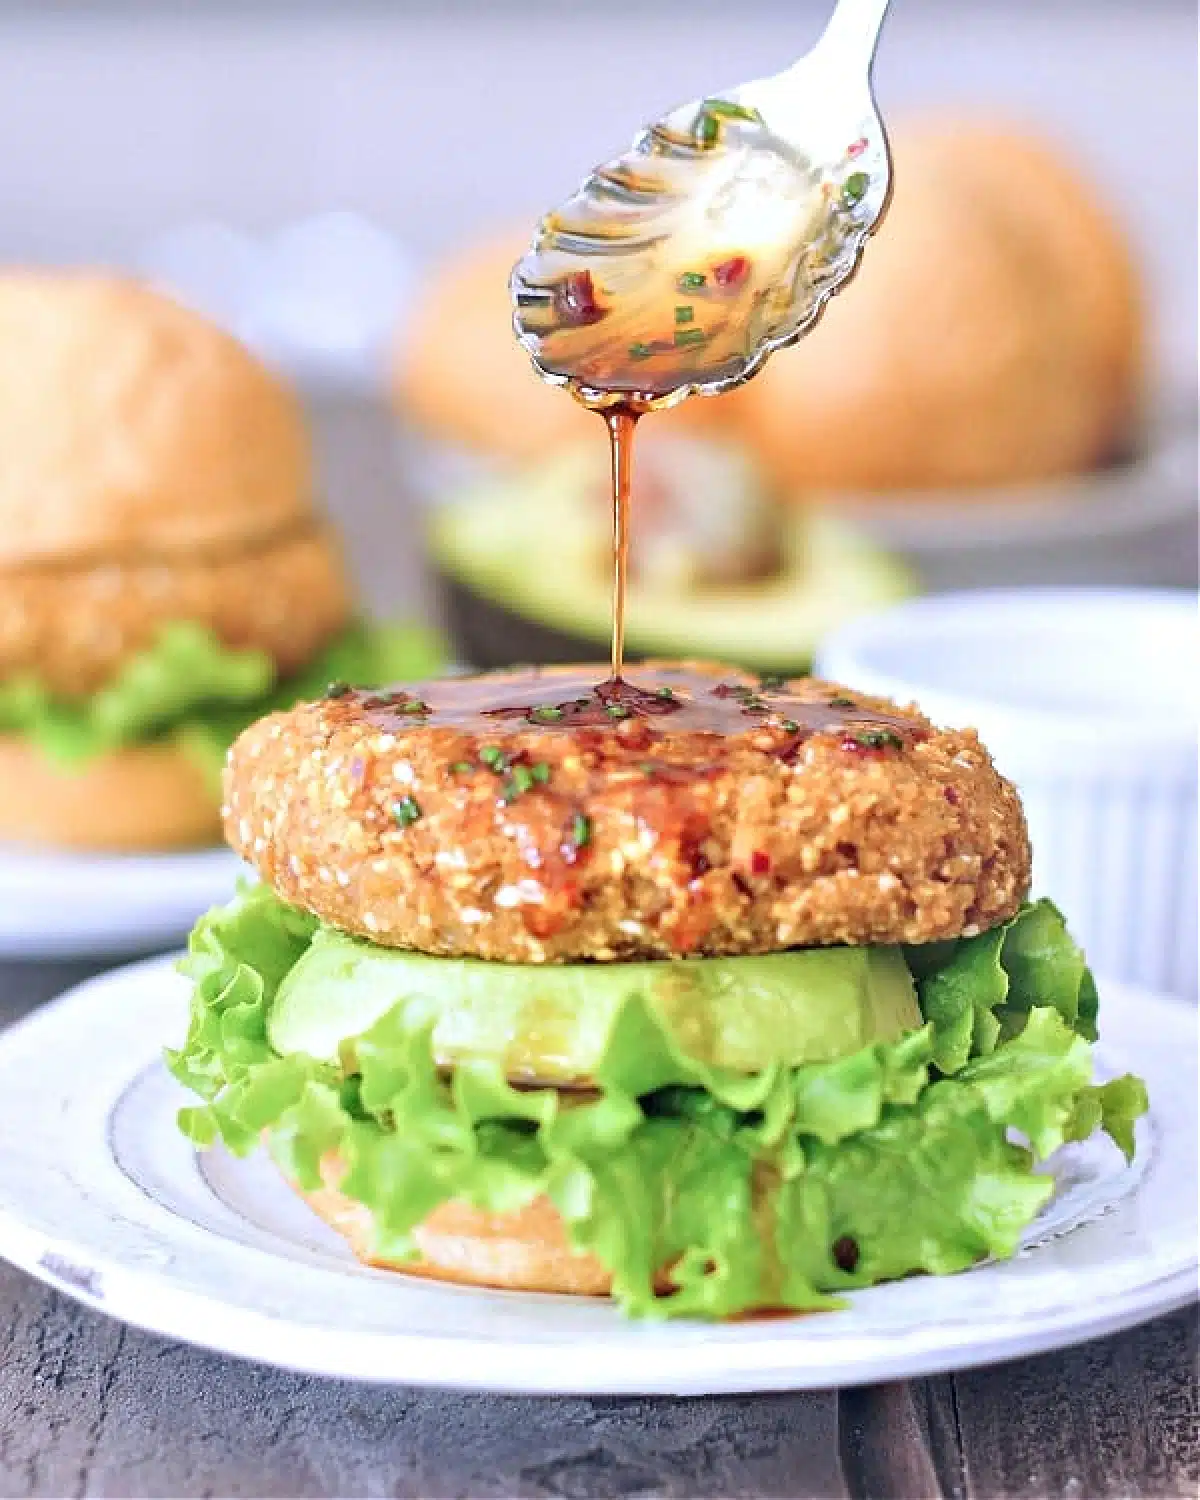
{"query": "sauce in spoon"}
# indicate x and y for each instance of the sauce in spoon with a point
(718, 238)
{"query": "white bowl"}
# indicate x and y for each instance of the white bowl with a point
(1132, 524)
(1089, 700)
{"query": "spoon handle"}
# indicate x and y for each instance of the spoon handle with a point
(853, 31)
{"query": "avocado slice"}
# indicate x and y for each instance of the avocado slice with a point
(516, 559)
(550, 1023)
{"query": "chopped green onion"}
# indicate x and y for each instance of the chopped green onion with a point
(684, 336)
(546, 713)
(616, 710)
(406, 811)
(581, 831)
(692, 281)
(520, 783)
(665, 692)
(854, 189)
(729, 109)
(685, 314)
(413, 706)
(462, 767)
(708, 128)
(640, 351)
(338, 690)
(493, 757)
(790, 726)
(877, 739)
(541, 772)
(841, 702)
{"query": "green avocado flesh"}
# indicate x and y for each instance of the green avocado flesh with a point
(529, 544)
(553, 1024)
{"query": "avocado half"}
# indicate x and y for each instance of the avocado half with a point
(516, 563)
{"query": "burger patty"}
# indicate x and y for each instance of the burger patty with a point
(76, 626)
(530, 817)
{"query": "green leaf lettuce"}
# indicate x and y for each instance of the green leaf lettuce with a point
(189, 686)
(783, 1188)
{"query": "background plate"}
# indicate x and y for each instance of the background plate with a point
(100, 1196)
(55, 904)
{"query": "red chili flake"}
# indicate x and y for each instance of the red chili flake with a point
(951, 795)
(575, 300)
(635, 734)
(691, 852)
(731, 271)
(760, 863)
(856, 148)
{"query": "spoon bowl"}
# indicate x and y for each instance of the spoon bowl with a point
(719, 237)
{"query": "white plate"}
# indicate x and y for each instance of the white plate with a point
(61, 905)
(100, 1196)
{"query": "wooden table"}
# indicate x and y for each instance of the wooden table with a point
(88, 1407)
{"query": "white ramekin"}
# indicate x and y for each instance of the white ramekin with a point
(1088, 700)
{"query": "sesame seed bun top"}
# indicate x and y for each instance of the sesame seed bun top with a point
(130, 424)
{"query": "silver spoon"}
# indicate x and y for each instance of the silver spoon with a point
(718, 238)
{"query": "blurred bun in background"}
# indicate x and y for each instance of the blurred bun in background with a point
(994, 335)
(461, 376)
(127, 420)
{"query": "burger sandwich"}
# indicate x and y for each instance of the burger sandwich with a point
(165, 574)
(711, 993)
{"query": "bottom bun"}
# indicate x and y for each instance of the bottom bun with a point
(139, 798)
(525, 1251)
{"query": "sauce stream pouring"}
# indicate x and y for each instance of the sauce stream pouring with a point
(717, 239)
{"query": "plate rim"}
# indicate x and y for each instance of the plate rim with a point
(773, 1360)
(63, 904)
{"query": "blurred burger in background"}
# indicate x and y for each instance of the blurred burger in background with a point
(975, 404)
(166, 575)
(722, 564)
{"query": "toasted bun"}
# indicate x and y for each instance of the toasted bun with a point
(461, 376)
(128, 423)
(526, 1251)
(142, 797)
(993, 335)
